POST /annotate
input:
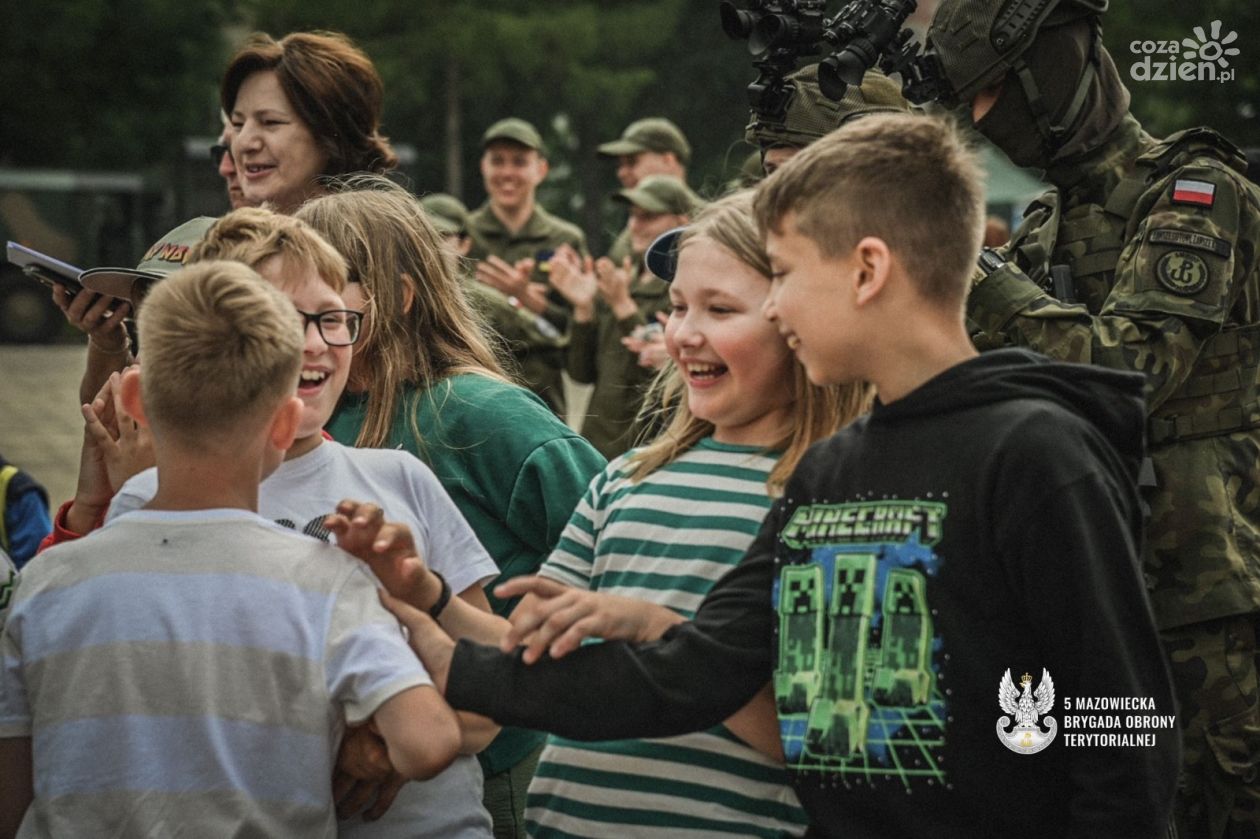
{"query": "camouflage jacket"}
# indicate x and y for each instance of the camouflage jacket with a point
(1159, 239)
(596, 356)
(538, 346)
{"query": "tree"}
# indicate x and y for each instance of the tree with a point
(88, 84)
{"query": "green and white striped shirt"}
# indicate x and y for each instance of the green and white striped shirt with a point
(667, 540)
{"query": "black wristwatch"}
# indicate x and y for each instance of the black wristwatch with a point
(445, 597)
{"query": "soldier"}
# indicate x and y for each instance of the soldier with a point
(810, 115)
(611, 302)
(1143, 257)
(651, 146)
(515, 238)
(512, 326)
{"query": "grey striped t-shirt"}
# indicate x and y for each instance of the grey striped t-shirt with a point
(188, 673)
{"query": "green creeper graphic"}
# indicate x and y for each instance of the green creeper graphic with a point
(838, 718)
(903, 676)
(798, 677)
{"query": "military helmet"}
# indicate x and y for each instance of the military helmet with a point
(810, 115)
(979, 41)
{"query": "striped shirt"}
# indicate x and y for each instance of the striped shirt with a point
(667, 540)
(189, 672)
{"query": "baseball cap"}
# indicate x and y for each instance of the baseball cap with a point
(516, 130)
(167, 255)
(661, 194)
(810, 115)
(448, 213)
(652, 134)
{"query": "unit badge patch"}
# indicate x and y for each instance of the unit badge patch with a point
(1182, 272)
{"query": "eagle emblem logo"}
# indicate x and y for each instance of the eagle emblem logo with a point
(1025, 707)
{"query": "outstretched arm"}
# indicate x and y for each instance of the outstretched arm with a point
(696, 676)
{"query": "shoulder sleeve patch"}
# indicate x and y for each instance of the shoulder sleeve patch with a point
(1187, 191)
(1182, 272)
(1189, 239)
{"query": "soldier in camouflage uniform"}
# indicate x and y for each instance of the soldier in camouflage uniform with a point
(810, 115)
(515, 238)
(1143, 257)
(651, 146)
(613, 301)
(511, 327)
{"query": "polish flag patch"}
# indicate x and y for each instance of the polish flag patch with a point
(1201, 193)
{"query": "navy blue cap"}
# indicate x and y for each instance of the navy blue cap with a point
(661, 257)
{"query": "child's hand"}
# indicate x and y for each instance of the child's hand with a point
(126, 447)
(387, 548)
(364, 776)
(556, 618)
(429, 641)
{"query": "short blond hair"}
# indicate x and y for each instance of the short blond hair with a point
(254, 235)
(907, 179)
(222, 348)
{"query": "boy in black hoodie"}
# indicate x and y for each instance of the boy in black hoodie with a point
(981, 523)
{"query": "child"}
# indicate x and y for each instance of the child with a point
(317, 473)
(425, 380)
(664, 522)
(163, 670)
(610, 303)
(983, 518)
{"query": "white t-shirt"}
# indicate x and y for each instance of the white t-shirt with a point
(303, 491)
(299, 494)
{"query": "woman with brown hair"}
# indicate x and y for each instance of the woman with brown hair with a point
(302, 107)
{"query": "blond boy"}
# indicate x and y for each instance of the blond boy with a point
(189, 668)
(317, 473)
(983, 521)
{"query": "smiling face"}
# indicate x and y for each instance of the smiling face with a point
(809, 304)
(512, 173)
(277, 158)
(737, 369)
(324, 368)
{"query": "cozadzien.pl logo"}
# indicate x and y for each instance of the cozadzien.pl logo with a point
(1203, 58)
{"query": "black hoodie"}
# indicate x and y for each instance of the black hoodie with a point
(986, 522)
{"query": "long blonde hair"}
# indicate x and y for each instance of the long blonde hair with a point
(391, 245)
(817, 412)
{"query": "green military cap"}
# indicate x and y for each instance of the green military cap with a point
(661, 194)
(810, 115)
(168, 254)
(514, 130)
(652, 134)
(448, 213)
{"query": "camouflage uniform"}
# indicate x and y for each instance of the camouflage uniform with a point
(1159, 239)
(541, 353)
(596, 355)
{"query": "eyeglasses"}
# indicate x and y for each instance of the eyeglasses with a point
(338, 327)
(217, 151)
